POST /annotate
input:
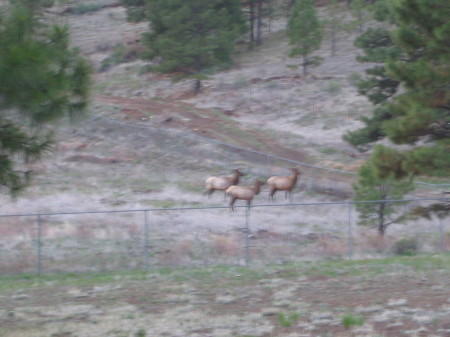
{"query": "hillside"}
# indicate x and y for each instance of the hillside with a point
(159, 263)
(260, 104)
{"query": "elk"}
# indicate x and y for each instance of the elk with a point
(222, 183)
(286, 183)
(243, 193)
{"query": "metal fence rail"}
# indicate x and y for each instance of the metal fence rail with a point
(142, 238)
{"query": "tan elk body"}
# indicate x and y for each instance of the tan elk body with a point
(246, 193)
(284, 183)
(222, 183)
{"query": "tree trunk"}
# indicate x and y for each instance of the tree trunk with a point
(289, 6)
(259, 22)
(305, 65)
(333, 39)
(270, 16)
(381, 225)
(252, 23)
(197, 86)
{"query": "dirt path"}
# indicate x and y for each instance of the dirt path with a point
(204, 122)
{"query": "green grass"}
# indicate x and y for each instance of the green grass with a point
(231, 276)
(286, 320)
(191, 186)
(350, 320)
(328, 150)
(140, 333)
(11, 283)
(333, 87)
(307, 119)
(221, 115)
(121, 80)
(156, 203)
(86, 8)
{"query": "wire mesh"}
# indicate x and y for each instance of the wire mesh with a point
(195, 236)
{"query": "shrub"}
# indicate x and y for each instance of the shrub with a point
(333, 87)
(354, 78)
(240, 82)
(287, 320)
(140, 333)
(350, 320)
(86, 8)
(376, 242)
(117, 56)
(405, 247)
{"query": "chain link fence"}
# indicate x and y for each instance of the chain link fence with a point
(196, 236)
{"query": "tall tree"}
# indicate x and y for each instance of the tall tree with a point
(417, 62)
(372, 186)
(305, 33)
(256, 13)
(42, 79)
(251, 19)
(359, 9)
(193, 37)
(259, 20)
(378, 47)
(334, 23)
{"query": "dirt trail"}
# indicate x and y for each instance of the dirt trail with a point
(203, 122)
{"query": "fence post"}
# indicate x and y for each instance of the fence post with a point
(247, 237)
(146, 240)
(350, 236)
(39, 245)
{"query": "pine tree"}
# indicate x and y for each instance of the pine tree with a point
(378, 86)
(359, 9)
(334, 23)
(305, 33)
(417, 111)
(193, 37)
(421, 112)
(42, 79)
(372, 186)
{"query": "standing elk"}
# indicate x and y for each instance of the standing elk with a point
(222, 183)
(286, 184)
(243, 193)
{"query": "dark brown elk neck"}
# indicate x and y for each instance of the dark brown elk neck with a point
(294, 176)
(235, 178)
(257, 187)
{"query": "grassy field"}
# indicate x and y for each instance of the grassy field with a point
(398, 296)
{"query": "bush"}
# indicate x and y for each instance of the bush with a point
(405, 247)
(140, 333)
(86, 8)
(288, 319)
(354, 78)
(333, 87)
(119, 55)
(349, 321)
